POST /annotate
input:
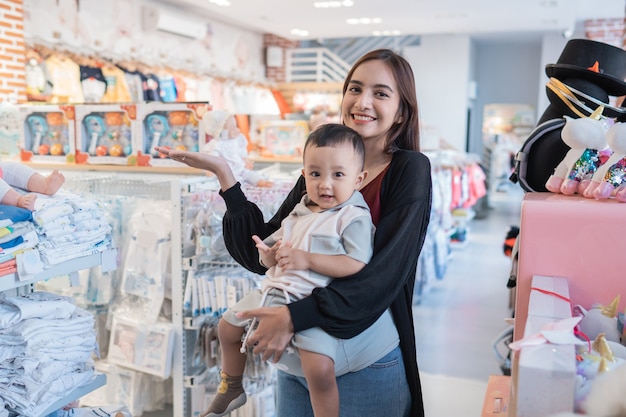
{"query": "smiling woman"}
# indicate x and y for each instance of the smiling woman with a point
(380, 104)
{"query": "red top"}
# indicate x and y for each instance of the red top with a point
(371, 194)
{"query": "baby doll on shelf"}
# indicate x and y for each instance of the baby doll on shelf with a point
(224, 139)
(13, 174)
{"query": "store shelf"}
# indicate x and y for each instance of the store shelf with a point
(98, 381)
(105, 259)
(178, 170)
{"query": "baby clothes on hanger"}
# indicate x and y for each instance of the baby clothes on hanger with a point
(117, 89)
(65, 80)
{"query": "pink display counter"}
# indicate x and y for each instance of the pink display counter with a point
(581, 239)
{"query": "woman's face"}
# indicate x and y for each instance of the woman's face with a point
(370, 104)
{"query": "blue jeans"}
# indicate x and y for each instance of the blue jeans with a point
(380, 389)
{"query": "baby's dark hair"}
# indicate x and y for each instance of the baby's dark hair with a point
(333, 134)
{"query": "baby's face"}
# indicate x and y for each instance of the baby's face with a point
(332, 173)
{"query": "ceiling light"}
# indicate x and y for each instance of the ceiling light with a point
(333, 4)
(364, 21)
(386, 33)
(299, 32)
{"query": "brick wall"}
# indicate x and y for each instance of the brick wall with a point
(609, 31)
(277, 74)
(12, 51)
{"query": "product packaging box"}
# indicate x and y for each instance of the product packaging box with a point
(543, 377)
(143, 347)
(283, 138)
(124, 386)
(48, 133)
(549, 297)
(9, 131)
(172, 125)
(106, 133)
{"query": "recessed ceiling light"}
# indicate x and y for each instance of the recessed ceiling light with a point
(333, 4)
(299, 32)
(364, 21)
(386, 33)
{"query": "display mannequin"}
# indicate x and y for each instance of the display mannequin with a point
(13, 174)
(224, 139)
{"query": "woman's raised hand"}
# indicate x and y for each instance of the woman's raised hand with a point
(215, 164)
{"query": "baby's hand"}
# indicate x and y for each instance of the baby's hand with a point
(289, 258)
(268, 255)
(260, 244)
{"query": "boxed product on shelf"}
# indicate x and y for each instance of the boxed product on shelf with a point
(105, 133)
(48, 133)
(544, 375)
(124, 386)
(9, 131)
(142, 347)
(173, 125)
(283, 138)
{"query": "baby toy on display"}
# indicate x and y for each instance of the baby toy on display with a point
(171, 125)
(587, 75)
(610, 177)
(48, 133)
(224, 139)
(586, 137)
(106, 133)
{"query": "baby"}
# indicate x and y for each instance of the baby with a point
(13, 174)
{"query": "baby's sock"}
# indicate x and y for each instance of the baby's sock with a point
(230, 396)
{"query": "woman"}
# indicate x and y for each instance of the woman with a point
(379, 102)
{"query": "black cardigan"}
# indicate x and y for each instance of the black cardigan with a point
(348, 306)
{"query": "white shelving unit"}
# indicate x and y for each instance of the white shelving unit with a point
(98, 381)
(172, 188)
(106, 260)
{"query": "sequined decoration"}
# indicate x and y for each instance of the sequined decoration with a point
(587, 164)
(616, 174)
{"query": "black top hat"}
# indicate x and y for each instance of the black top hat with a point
(579, 57)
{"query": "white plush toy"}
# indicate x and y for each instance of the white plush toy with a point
(586, 136)
(610, 175)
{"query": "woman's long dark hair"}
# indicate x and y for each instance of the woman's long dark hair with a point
(406, 134)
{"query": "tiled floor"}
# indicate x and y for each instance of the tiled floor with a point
(457, 321)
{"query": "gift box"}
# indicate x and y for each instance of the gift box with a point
(549, 297)
(106, 134)
(171, 125)
(543, 377)
(48, 133)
